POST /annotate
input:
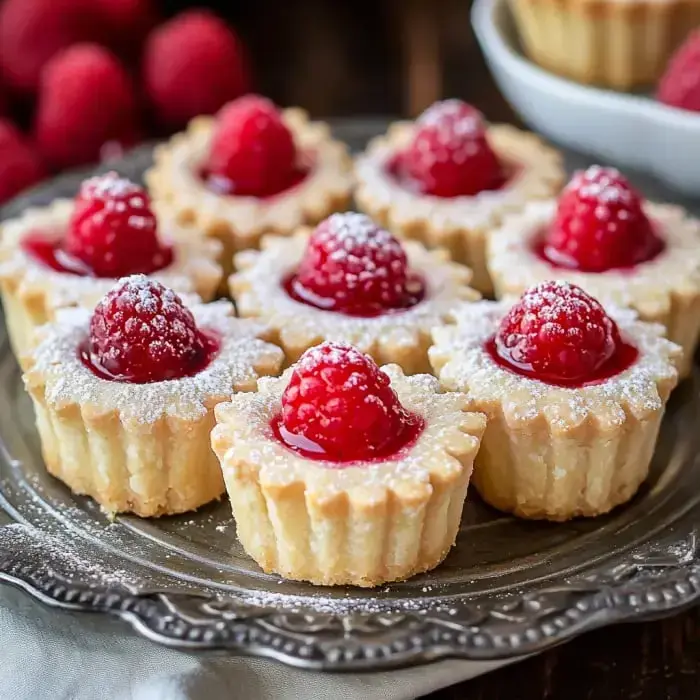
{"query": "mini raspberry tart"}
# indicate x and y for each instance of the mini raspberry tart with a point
(350, 281)
(72, 252)
(449, 178)
(249, 170)
(124, 396)
(342, 473)
(574, 396)
(602, 236)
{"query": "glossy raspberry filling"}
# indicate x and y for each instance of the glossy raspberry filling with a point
(651, 248)
(199, 359)
(224, 186)
(414, 294)
(623, 355)
(49, 251)
(359, 450)
(397, 171)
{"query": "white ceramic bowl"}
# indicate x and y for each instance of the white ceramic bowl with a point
(629, 131)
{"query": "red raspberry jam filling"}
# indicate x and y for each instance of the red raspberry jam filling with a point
(141, 332)
(600, 225)
(112, 233)
(339, 407)
(560, 335)
(449, 155)
(252, 152)
(354, 267)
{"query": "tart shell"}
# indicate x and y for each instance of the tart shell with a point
(363, 524)
(558, 453)
(139, 448)
(613, 43)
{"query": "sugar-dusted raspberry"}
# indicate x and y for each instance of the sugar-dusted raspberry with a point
(600, 224)
(113, 229)
(342, 405)
(253, 148)
(450, 155)
(351, 265)
(142, 332)
(557, 332)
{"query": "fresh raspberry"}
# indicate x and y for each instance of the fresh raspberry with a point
(32, 31)
(450, 154)
(193, 65)
(600, 224)
(680, 84)
(252, 148)
(113, 229)
(141, 332)
(129, 22)
(86, 102)
(557, 332)
(20, 165)
(351, 265)
(339, 399)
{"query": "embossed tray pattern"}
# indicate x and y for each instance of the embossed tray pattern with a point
(508, 588)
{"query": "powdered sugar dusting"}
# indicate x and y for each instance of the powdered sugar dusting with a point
(539, 174)
(447, 431)
(111, 186)
(515, 266)
(67, 380)
(193, 266)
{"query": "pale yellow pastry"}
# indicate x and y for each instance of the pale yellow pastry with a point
(364, 521)
(32, 290)
(664, 289)
(238, 221)
(620, 44)
(551, 450)
(141, 447)
(461, 223)
(362, 254)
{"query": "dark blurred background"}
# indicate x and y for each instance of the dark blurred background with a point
(361, 57)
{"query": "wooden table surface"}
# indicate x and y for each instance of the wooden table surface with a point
(650, 661)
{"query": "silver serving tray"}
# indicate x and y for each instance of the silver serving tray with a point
(509, 587)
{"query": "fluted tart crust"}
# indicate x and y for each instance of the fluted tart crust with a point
(401, 337)
(551, 452)
(363, 524)
(239, 222)
(140, 448)
(459, 224)
(33, 292)
(663, 290)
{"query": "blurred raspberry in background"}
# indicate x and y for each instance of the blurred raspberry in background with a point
(82, 80)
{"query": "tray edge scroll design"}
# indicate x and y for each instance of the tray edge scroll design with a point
(646, 583)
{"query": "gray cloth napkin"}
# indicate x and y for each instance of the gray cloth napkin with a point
(55, 655)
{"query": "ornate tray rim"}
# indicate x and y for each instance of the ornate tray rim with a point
(657, 579)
